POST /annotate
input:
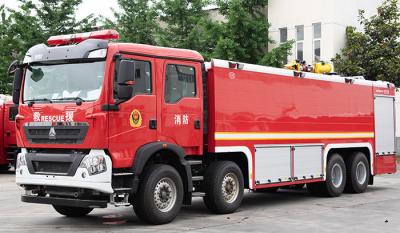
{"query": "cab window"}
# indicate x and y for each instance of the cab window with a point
(142, 81)
(180, 82)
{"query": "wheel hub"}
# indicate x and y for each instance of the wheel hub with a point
(165, 195)
(230, 187)
(361, 173)
(337, 175)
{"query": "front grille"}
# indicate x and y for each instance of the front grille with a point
(51, 167)
(53, 163)
(56, 133)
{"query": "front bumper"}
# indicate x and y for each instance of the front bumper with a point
(81, 179)
(64, 201)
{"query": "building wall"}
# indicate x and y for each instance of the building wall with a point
(334, 16)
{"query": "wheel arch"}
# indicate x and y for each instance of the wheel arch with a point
(163, 152)
(344, 149)
(238, 154)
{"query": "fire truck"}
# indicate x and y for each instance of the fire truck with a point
(102, 122)
(8, 144)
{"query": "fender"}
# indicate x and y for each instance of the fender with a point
(144, 153)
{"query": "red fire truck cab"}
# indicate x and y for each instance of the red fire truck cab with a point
(129, 124)
(8, 144)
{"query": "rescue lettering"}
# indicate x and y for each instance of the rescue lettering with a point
(67, 117)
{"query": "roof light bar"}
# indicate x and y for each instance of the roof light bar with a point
(79, 37)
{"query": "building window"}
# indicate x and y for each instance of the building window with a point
(283, 35)
(317, 41)
(299, 42)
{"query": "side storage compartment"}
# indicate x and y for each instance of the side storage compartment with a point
(272, 164)
(285, 163)
(308, 162)
(385, 136)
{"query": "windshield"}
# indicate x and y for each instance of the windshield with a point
(64, 82)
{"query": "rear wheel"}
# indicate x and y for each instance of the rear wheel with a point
(335, 176)
(335, 179)
(223, 187)
(70, 211)
(160, 195)
(358, 173)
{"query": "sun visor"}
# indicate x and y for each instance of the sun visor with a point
(44, 53)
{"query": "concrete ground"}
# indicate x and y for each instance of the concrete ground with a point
(377, 210)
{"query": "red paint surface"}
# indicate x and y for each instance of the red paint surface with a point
(385, 164)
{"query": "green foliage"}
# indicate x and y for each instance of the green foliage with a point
(374, 52)
(245, 32)
(277, 57)
(137, 22)
(181, 21)
(5, 51)
(33, 23)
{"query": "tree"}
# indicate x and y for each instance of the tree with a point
(245, 32)
(5, 48)
(137, 22)
(375, 51)
(181, 20)
(245, 35)
(277, 57)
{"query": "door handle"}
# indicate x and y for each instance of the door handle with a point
(153, 124)
(197, 124)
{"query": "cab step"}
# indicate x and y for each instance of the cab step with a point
(123, 174)
(122, 189)
(197, 178)
(195, 162)
(198, 194)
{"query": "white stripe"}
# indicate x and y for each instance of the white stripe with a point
(280, 136)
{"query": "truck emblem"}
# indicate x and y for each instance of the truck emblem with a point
(135, 119)
(52, 133)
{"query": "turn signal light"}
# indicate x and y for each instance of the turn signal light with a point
(79, 37)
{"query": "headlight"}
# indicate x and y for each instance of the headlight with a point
(94, 164)
(21, 161)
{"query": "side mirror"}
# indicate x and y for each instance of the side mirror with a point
(126, 72)
(17, 85)
(125, 79)
(13, 67)
(125, 92)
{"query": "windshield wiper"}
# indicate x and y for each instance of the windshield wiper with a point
(78, 100)
(32, 101)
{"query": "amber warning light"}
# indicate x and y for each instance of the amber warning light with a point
(79, 37)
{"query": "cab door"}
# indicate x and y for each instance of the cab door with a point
(182, 106)
(129, 126)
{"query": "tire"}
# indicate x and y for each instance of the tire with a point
(70, 211)
(335, 177)
(160, 195)
(223, 174)
(358, 173)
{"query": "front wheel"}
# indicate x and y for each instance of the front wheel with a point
(223, 187)
(160, 195)
(70, 211)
